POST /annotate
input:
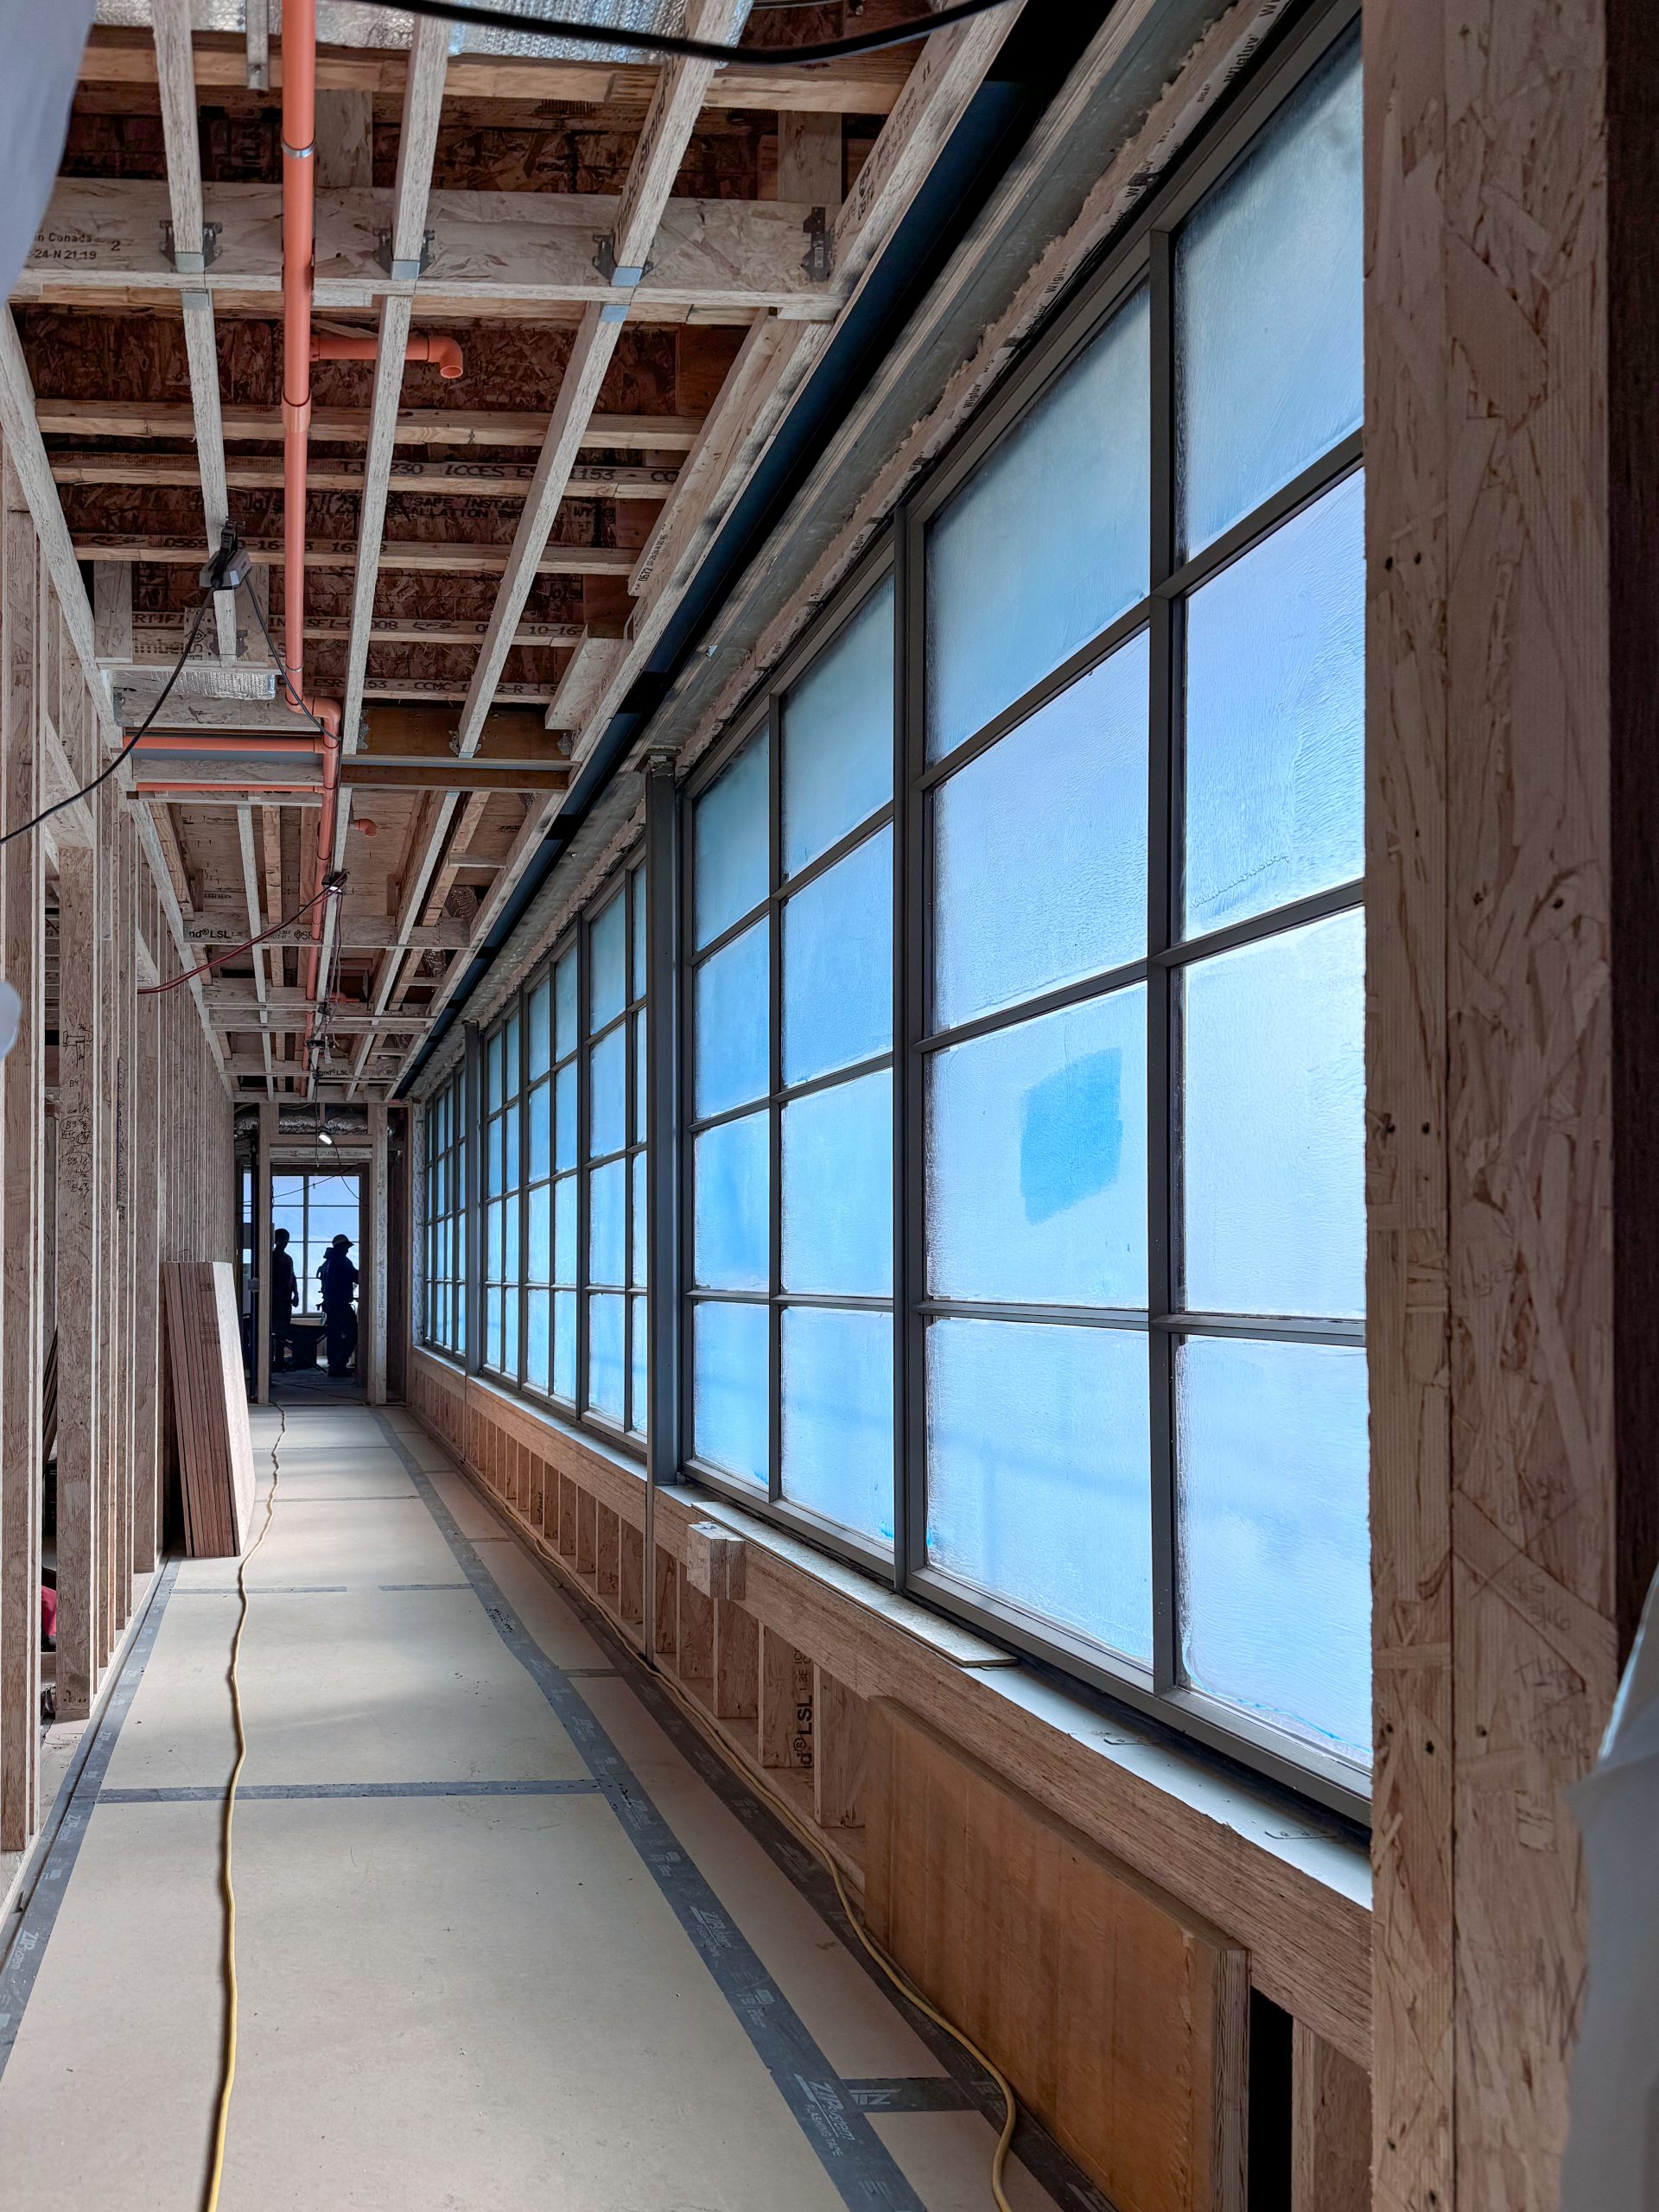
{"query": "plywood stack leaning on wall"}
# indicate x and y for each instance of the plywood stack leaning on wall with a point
(1121, 2018)
(210, 1407)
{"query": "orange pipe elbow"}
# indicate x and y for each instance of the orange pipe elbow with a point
(441, 354)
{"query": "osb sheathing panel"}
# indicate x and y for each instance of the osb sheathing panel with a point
(72, 355)
(576, 151)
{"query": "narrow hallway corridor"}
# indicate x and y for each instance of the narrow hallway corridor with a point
(509, 1936)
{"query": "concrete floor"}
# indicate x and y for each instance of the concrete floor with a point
(507, 1939)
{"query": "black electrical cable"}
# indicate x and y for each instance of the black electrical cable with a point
(127, 750)
(691, 49)
(334, 886)
(294, 699)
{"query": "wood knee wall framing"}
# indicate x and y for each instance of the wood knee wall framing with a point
(794, 1662)
(115, 1140)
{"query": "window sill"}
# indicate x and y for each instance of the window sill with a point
(1289, 1830)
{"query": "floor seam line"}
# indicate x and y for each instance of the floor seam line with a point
(857, 2161)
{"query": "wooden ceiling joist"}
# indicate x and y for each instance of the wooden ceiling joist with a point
(180, 126)
(156, 638)
(436, 558)
(770, 368)
(493, 252)
(461, 480)
(417, 426)
(866, 84)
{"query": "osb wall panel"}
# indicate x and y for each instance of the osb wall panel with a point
(1492, 855)
(1121, 2018)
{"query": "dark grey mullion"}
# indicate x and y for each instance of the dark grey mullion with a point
(775, 1101)
(1099, 986)
(1162, 892)
(1296, 913)
(584, 1077)
(803, 878)
(1304, 489)
(523, 1185)
(1069, 1317)
(631, 1094)
(1099, 648)
(912, 918)
(790, 1092)
(473, 1290)
(684, 1079)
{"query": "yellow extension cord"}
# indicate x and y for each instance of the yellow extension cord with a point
(894, 1972)
(227, 2075)
(786, 1812)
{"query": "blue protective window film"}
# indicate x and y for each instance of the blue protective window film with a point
(837, 1185)
(1275, 718)
(732, 1016)
(838, 964)
(1268, 339)
(1272, 1534)
(730, 1419)
(731, 843)
(1048, 542)
(838, 735)
(837, 1417)
(1038, 1455)
(1037, 1159)
(1070, 785)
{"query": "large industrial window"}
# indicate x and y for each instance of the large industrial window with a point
(446, 1217)
(314, 1210)
(564, 1169)
(1130, 1342)
(502, 1223)
(790, 1023)
(1020, 1069)
(1140, 752)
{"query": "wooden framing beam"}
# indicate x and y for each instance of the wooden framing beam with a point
(433, 556)
(23, 1137)
(637, 231)
(770, 367)
(442, 480)
(251, 891)
(156, 638)
(494, 253)
(417, 426)
(866, 84)
(181, 128)
(359, 933)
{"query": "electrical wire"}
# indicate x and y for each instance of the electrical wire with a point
(333, 887)
(294, 699)
(889, 1965)
(691, 49)
(127, 750)
(227, 2072)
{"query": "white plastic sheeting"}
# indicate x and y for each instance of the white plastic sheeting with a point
(41, 50)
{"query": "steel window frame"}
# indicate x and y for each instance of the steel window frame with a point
(765, 716)
(1143, 257)
(576, 938)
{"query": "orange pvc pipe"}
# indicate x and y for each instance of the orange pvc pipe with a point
(299, 255)
(441, 354)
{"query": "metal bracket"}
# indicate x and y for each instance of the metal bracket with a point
(624, 275)
(403, 272)
(820, 259)
(192, 263)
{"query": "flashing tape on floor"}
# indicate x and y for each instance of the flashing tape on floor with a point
(861, 2169)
